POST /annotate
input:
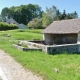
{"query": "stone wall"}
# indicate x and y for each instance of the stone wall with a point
(78, 40)
(48, 39)
(52, 39)
(35, 45)
(70, 48)
(26, 49)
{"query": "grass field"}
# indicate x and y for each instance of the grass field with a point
(22, 34)
(44, 65)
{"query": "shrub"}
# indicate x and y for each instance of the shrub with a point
(35, 23)
(6, 26)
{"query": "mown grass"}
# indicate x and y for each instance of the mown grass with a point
(44, 64)
(22, 34)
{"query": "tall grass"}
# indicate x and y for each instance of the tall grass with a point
(44, 64)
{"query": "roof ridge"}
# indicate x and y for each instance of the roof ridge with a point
(66, 20)
(64, 26)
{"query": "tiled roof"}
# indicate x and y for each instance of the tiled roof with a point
(64, 27)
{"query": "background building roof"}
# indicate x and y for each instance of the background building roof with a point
(11, 20)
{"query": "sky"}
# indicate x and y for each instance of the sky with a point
(68, 5)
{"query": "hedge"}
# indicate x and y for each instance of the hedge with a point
(6, 26)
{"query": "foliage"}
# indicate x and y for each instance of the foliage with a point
(58, 15)
(49, 16)
(5, 11)
(46, 20)
(65, 15)
(35, 23)
(53, 14)
(6, 26)
(24, 13)
(2, 18)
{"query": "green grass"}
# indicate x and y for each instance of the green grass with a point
(22, 34)
(44, 64)
(35, 31)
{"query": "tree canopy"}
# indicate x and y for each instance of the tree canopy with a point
(24, 13)
(33, 12)
(53, 14)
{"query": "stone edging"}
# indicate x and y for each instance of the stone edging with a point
(26, 49)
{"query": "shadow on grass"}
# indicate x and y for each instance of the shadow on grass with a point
(64, 52)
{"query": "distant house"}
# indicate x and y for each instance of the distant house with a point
(22, 26)
(12, 21)
(63, 32)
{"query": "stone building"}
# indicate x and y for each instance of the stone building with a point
(63, 32)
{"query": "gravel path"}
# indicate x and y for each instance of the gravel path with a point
(13, 70)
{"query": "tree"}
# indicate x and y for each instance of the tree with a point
(49, 16)
(5, 12)
(51, 12)
(35, 23)
(58, 15)
(2, 18)
(24, 13)
(69, 16)
(64, 15)
(46, 20)
(74, 15)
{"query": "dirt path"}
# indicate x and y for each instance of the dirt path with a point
(13, 70)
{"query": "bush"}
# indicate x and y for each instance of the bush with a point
(35, 23)
(6, 26)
